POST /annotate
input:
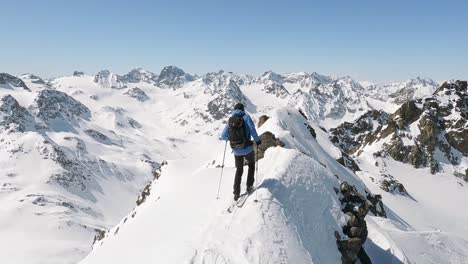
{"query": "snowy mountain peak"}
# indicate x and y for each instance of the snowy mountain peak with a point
(173, 77)
(109, 80)
(11, 82)
(32, 78)
(423, 81)
(14, 117)
(140, 75)
(58, 109)
(271, 76)
(306, 80)
(75, 156)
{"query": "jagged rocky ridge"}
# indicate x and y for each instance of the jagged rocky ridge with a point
(427, 132)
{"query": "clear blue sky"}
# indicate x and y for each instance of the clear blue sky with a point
(369, 40)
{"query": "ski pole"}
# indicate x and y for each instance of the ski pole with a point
(256, 175)
(222, 168)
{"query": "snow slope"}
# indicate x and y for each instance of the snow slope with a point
(293, 222)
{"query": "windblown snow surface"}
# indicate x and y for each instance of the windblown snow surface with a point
(292, 222)
(135, 122)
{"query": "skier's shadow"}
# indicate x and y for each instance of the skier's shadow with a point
(276, 188)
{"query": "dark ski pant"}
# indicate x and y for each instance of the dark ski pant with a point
(250, 158)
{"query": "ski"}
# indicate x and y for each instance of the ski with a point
(234, 203)
(241, 202)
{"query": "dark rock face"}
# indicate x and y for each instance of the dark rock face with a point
(138, 94)
(393, 186)
(268, 140)
(376, 205)
(138, 75)
(156, 168)
(145, 193)
(348, 162)
(262, 120)
(417, 131)
(53, 104)
(276, 89)
(99, 137)
(173, 77)
(311, 130)
(227, 93)
(352, 136)
(406, 154)
(13, 81)
(407, 114)
(14, 117)
(355, 207)
(100, 234)
(78, 73)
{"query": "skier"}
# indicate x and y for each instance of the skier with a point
(238, 131)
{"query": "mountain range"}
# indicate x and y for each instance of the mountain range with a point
(110, 168)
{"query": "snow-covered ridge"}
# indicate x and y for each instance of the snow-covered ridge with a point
(285, 226)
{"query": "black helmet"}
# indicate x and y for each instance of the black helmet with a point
(239, 106)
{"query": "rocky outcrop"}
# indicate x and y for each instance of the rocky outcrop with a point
(268, 140)
(262, 120)
(138, 94)
(391, 185)
(50, 105)
(352, 136)
(276, 89)
(10, 81)
(14, 117)
(100, 234)
(416, 132)
(311, 130)
(225, 97)
(348, 162)
(376, 205)
(407, 114)
(355, 207)
(78, 73)
(99, 137)
(147, 190)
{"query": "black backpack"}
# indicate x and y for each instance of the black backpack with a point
(236, 133)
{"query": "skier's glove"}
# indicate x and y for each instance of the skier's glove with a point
(259, 142)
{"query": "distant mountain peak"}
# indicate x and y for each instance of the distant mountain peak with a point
(173, 77)
(140, 75)
(10, 81)
(110, 80)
